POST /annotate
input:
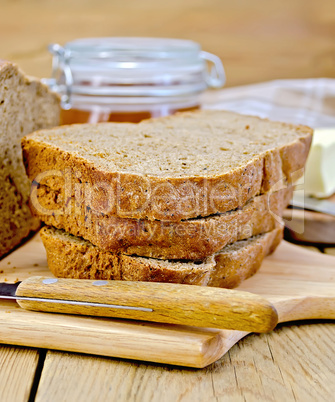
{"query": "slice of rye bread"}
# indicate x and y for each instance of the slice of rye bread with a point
(73, 257)
(181, 167)
(193, 239)
(26, 105)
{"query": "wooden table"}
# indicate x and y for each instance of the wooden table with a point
(257, 41)
(294, 362)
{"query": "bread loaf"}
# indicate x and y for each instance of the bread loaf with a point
(26, 105)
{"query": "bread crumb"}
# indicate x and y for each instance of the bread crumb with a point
(35, 265)
(8, 262)
(19, 118)
(1, 272)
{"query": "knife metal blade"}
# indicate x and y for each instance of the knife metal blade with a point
(150, 301)
(313, 204)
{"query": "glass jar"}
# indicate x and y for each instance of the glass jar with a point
(130, 79)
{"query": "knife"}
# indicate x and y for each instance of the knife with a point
(313, 204)
(149, 301)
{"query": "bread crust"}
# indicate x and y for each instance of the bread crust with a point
(26, 105)
(71, 257)
(193, 239)
(167, 197)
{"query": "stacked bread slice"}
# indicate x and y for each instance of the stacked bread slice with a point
(26, 105)
(193, 198)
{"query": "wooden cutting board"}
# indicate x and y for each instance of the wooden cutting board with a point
(310, 227)
(300, 283)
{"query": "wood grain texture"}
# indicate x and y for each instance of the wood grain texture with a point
(285, 365)
(17, 371)
(311, 248)
(310, 227)
(257, 41)
(180, 345)
(168, 302)
(330, 250)
(300, 283)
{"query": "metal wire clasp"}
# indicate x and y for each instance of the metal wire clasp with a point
(216, 77)
(61, 71)
(63, 67)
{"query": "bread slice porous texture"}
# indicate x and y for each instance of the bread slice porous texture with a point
(26, 105)
(175, 168)
(73, 257)
(192, 239)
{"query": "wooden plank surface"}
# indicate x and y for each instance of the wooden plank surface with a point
(294, 361)
(318, 228)
(257, 40)
(285, 365)
(299, 282)
(17, 372)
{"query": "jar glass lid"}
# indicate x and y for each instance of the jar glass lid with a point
(125, 48)
(133, 67)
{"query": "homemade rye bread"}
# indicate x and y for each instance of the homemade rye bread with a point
(26, 105)
(179, 167)
(72, 257)
(193, 239)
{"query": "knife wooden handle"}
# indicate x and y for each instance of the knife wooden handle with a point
(170, 303)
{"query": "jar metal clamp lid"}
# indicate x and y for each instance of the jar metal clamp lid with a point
(132, 68)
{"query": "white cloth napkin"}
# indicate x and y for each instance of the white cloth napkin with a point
(303, 101)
